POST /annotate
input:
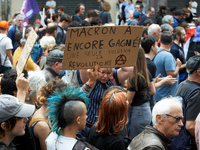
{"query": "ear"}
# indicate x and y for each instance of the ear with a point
(152, 47)
(198, 72)
(78, 120)
(56, 64)
(3, 126)
(159, 119)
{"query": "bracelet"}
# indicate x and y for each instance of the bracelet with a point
(86, 87)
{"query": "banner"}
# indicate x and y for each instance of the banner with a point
(29, 8)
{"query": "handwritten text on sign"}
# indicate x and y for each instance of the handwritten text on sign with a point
(110, 46)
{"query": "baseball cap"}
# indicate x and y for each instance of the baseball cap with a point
(10, 106)
(193, 64)
(4, 24)
(55, 56)
(136, 14)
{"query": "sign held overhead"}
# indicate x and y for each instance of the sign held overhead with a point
(26, 51)
(105, 46)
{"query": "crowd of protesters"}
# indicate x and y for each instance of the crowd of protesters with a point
(153, 105)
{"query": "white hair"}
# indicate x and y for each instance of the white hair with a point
(18, 16)
(153, 29)
(47, 42)
(167, 19)
(36, 81)
(164, 107)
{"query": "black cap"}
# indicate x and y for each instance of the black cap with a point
(173, 8)
(193, 64)
(55, 56)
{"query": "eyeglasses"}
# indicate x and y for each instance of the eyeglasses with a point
(103, 73)
(178, 119)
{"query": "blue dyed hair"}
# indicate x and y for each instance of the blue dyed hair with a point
(57, 103)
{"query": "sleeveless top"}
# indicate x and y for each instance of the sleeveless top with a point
(32, 124)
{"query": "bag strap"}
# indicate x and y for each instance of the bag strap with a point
(79, 146)
(6, 54)
(158, 53)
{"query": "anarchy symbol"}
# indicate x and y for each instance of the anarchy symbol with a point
(120, 60)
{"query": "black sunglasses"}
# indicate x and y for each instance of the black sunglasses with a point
(177, 118)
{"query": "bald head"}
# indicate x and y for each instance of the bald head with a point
(51, 29)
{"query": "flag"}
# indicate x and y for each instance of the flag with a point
(29, 8)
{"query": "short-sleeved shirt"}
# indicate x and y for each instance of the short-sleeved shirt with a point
(51, 3)
(53, 141)
(193, 101)
(5, 44)
(105, 17)
(30, 65)
(164, 62)
(151, 67)
(194, 4)
(141, 93)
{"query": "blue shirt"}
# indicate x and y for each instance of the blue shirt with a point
(164, 62)
(76, 18)
(127, 8)
(176, 22)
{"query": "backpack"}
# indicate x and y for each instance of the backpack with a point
(82, 145)
(36, 53)
(183, 141)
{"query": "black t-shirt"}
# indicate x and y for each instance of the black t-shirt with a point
(193, 101)
(105, 141)
(141, 94)
(151, 67)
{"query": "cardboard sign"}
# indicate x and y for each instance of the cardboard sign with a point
(107, 46)
(26, 51)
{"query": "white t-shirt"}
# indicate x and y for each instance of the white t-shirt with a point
(53, 141)
(51, 3)
(194, 4)
(5, 44)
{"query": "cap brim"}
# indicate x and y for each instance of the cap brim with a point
(26, 111)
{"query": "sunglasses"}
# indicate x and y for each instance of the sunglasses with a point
(178, 119)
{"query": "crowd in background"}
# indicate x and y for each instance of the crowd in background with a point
(146, 106)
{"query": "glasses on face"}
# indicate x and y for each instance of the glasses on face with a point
(103, 73)
(178, 119)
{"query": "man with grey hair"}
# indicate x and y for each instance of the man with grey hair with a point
(154, 30)
(53, 64)
(189, 91)
(166, 27)
(168, 19)
(12, 31)
(167, 117)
